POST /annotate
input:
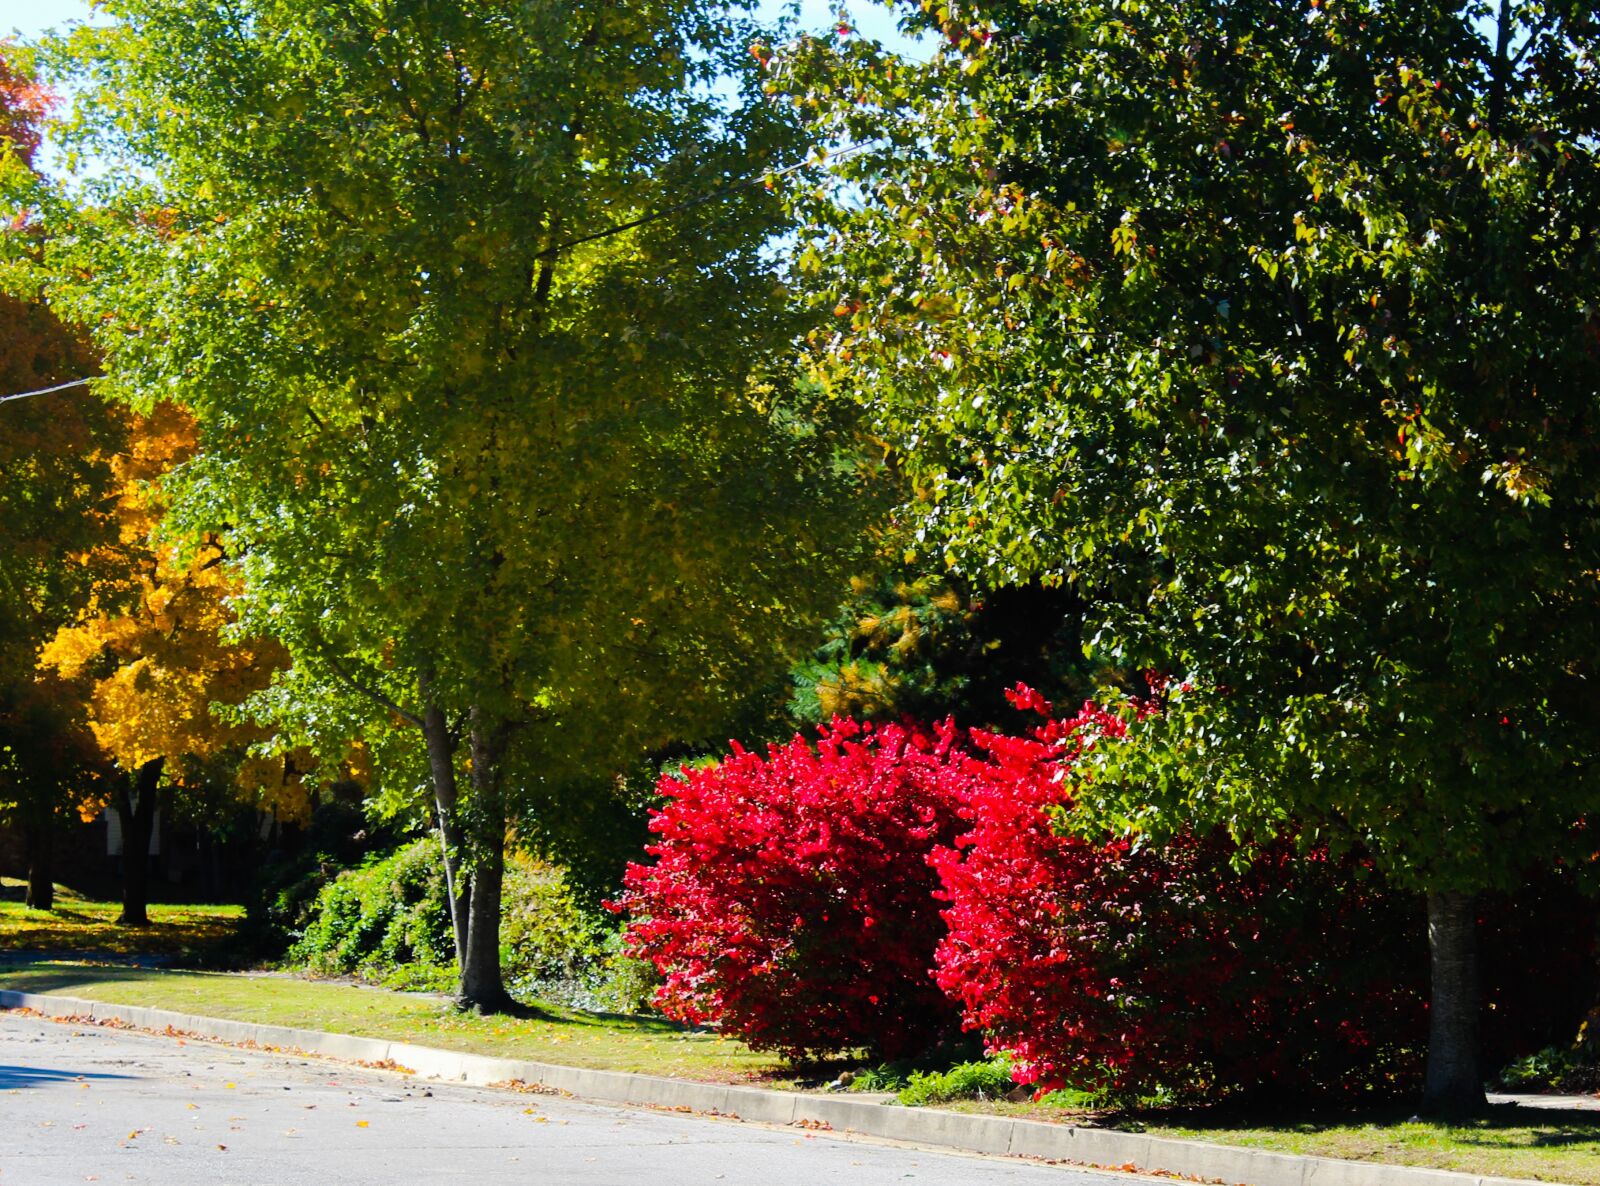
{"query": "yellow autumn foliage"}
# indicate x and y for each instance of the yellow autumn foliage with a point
(149, 645)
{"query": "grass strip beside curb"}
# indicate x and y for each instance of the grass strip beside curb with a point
(984, 1134)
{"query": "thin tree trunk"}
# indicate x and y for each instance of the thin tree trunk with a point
(1453, 1086)
(40, 841)
(138, 813)
(481, 986)
(441, 765)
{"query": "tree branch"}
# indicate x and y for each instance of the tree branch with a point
(366, 690)
(547, 266)
(1502, 66)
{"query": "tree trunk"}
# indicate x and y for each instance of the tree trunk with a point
(441, 765)
(1453, 1086)
(137, 811)
(481, 987)
(211, 866)
(40, 841)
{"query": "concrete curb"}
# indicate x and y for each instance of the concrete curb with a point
(923, 1126)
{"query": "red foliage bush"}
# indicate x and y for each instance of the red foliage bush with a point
(791, 898)
(1127, 970)
(795, 899)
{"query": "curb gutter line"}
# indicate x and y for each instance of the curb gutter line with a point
(1096, 1147)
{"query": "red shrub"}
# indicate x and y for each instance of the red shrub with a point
(795, 899)
(792, 900)
(1126, 969)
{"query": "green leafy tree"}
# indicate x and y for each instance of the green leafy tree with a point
(503, 457)
(1271, 328)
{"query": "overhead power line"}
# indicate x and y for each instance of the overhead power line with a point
(6, 399)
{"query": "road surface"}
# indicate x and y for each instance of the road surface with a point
(87, 1104)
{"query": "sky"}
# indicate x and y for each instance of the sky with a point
(29, 18)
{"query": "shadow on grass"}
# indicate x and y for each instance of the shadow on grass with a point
(532, 1009)
(1563, 1136)
(61, 914)
(66, 934)
(1503, 1126)
(509, 1009)
(15, 890)
(1545, 1128)
(32, 975)
(643, 1022)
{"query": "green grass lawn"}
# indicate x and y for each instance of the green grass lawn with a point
(178, 933)
(605, 1041)
(1511, 1142)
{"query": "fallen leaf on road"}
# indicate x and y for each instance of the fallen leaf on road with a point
(361, 1124)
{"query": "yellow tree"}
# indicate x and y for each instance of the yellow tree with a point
(151, 649)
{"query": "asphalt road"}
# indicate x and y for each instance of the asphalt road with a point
(86, 1104)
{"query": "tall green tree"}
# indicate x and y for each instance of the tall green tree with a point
(1271, 327)
(504, 478)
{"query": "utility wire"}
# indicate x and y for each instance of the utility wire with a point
(715, 195)
(6, 399)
